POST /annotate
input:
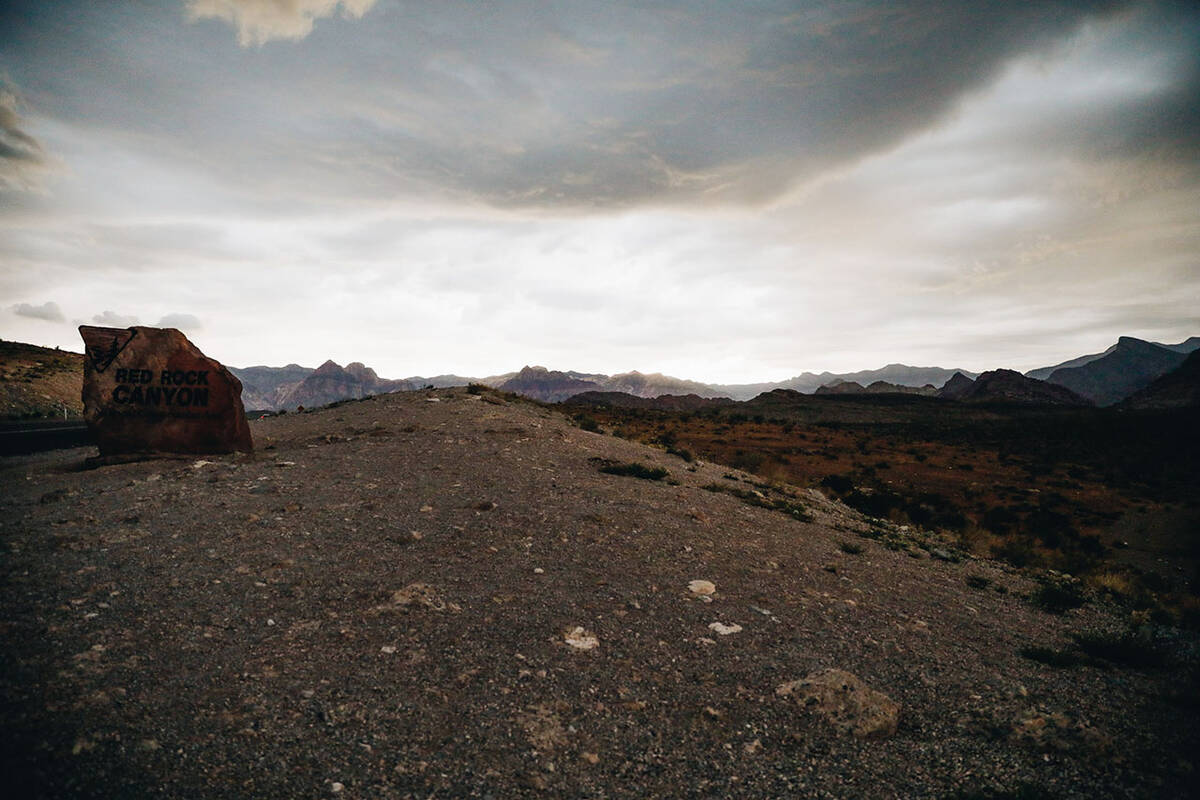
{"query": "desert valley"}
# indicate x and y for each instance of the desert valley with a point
(984, 588)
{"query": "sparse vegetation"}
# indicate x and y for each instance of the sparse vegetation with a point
(1057, 595)
(634, 470)
(850, 548)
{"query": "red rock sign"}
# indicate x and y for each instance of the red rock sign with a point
(150, 390)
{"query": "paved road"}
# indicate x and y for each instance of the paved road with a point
(17, 438)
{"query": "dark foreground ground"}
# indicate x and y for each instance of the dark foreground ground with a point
(378, 602)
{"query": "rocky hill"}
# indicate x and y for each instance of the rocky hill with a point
(1006, 385)
(39, 382)
(956, 387)
(549, 386)
(665, 402)
(1127, 367)
(878, 387)
(434, 593)
(330, 382)
(809, 382)
(1179, 388)
(263, 388)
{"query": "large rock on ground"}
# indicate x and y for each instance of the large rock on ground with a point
(150, 390)
(846, 702)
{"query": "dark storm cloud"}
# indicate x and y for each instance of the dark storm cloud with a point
(566, 105)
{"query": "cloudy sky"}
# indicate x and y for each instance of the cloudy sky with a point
(722, 190)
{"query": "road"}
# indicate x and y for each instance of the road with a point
(17, 438)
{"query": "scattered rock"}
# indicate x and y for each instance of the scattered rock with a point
(846, 702)
(724, 630)
(581, 639)
(543, 727)
(424, 596)
(702, 588)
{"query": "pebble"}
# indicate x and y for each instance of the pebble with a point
(581, 639)
(722, 629)
(702, 588)
(336, 787)
(538, 571)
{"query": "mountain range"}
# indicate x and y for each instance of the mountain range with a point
(1120, 371)
(1100, 378)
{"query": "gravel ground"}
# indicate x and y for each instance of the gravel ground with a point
(378, 603)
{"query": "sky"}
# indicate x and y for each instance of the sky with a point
(721, 191)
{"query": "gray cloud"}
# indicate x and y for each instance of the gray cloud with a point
(260, 21)
(20, 153)
(185, 322)
(569, 107)
(48, 311)
(114, 320)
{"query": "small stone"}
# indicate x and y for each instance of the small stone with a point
(702, 588)
(722, 629)
(388, 649)
(538, 571)
(336, 787)
(591, 758)
(425, 509)
(581, 639)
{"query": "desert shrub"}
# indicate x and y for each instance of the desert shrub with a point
(587, 422)
(633, 470)
(999, 519)
(978, 581)
(682, 452)
(748, 460)
(1057, 596)
(476, 388)
(876, 504)
(838, 483)
(1051, 657)
(850, 547)
(1130, 648)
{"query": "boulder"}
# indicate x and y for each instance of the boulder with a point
(150, 390)
(846, 702)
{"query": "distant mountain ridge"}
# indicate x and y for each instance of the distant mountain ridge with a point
(1103, 378)
(1129, 365)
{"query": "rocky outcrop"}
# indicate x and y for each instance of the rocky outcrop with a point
(331, 382)
(150, 390)
(956, 387)
(546, 385)
(1009, 386)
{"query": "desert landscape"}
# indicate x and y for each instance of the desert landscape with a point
(461, 592)
(787, 399)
